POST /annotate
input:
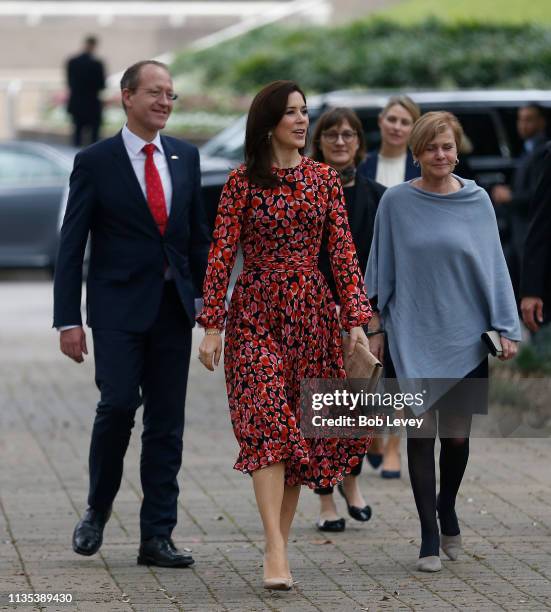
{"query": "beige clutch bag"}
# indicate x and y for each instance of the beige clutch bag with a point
(362, 364)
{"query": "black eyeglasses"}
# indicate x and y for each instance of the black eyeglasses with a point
(332, 137)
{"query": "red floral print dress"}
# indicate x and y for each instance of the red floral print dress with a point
(282, 323)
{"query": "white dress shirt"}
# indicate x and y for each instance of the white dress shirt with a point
(134, 145)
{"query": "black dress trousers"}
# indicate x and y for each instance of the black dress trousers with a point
(131, 369)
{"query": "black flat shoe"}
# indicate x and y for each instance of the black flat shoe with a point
(336, 525)
(161, 551)
(88, 533)
(358, 514)
(374, 459)
(388, 474)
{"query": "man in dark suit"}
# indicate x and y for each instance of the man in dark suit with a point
(517, 199)
(85, 78)
(535, 285)
(138, 195)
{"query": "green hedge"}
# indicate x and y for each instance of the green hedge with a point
(379, 54)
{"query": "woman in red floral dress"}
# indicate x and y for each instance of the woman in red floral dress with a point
(282, 324)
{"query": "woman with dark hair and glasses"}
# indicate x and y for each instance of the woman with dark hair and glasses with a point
(282, 323)
(339, 141)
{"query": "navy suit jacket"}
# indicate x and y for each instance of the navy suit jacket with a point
(128, 255)
(368, 168)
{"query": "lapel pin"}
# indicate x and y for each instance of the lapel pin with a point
(174, 157)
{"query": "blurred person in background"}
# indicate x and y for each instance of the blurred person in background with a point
(339, 141)
(517, 198)
(392, 164)
(535, 287)
(85, 79)
(437, 269)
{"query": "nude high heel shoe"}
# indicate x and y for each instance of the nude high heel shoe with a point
(278, 584)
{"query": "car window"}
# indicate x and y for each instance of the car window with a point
(369, 119)
(25, 169)
(481, 131)
(229, 143)
(509, 120)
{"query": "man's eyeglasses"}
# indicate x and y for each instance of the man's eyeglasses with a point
(332, 137)
(157, 93)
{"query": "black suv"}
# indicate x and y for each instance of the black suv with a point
(488, 118)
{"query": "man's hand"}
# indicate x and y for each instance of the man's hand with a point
(72, 343)
(532, 312)
(501, 194)
(509, 347)
(210, 350)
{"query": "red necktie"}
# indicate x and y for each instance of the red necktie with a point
(154, 189)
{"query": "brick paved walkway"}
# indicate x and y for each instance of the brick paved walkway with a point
(46, 410)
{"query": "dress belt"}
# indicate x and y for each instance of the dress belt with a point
(280, 264)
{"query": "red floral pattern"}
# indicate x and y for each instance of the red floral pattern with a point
(282, 323)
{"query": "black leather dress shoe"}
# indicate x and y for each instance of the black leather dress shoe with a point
(88, 534)
(358, 514)
(160, 551)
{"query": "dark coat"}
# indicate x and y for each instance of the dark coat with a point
(361, 219)
(85, 78)
(536, 269)
(526, 177)
(368, 168)
(128, 255)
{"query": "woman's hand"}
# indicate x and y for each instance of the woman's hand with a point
(510, 348)
(377, 342)
(210, 351)
(377, 346)
(357, 334)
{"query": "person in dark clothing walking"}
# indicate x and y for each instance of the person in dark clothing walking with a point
(535, 287)
(514, 202)
(85, 78)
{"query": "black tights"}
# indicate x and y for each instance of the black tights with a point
(454, 433)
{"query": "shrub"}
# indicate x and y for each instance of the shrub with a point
(379, 54)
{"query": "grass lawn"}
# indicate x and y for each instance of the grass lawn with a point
(496, 11)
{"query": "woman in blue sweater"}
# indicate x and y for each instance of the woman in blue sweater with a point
(440, 277)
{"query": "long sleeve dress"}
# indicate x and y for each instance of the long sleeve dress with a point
(282, 323)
